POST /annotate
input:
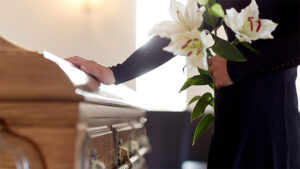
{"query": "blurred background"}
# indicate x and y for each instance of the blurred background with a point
(108, 31)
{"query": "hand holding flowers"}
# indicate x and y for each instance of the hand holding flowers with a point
(218, 69)
(189, 38)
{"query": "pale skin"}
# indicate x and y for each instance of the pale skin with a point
(103, 74)
(218, 68)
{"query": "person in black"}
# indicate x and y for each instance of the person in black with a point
(257, 122)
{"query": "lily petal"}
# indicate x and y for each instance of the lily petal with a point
(243, 38)
(233, 20)
(186, 18)
(267, 27)
(191, 44)
(193, 15)
(176, 10)
(166, 29)
(251, 10)
(199, 61)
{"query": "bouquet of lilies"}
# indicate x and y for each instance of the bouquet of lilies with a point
(190, 38)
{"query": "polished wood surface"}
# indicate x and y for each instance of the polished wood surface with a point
(27, 75)
(44, 114)
(17, 150)
(59, 122)
(55, 144)
(102, 143)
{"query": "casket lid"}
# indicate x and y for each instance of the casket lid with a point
(26, 75)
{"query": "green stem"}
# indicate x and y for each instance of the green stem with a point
(235, 42)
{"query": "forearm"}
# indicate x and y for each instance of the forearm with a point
(144, 59)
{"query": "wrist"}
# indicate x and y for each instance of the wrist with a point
(112, 79)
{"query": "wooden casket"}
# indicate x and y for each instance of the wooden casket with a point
(54, 116)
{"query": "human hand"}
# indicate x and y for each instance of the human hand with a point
(102, 73)
(218, 69)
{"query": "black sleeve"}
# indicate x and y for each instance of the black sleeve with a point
(279, 53)
(148, 57)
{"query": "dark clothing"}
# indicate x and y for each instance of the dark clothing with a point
(281, 52)
(146, 58)
(257, 122)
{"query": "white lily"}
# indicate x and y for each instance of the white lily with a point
(185, 19)
(191, 44)
(247, 25)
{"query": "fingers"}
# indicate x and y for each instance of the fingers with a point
(211, 71)
(214, 63)
(218, 69)
(74, 58)
(77, 61)
(211, 66)
(89, 67)
(216, 80)
(96, 70)
(209, 61)
(99, 72)
(84, 64)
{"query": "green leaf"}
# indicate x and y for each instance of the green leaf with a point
(217, 10)
(226, 50)
(210, 19)
(248, 46)
(208, 53)
(194, 99)
(211, 2)
(212, 85)
(235, 42)
(202, 2)
(205, 72)
(196, 80)
(203, 126)
(201, 105)
(212, 103)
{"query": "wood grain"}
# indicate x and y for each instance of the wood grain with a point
(27, 75)
(16, 150)
(48, 122)
(42, 113)
(57, 145)
(101, 141)
(7, 160)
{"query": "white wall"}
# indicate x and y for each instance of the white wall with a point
(103, 30)
(167, 79)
